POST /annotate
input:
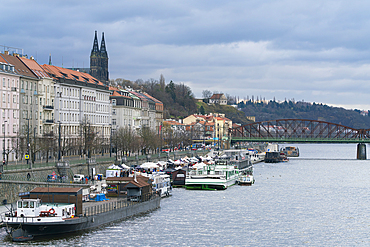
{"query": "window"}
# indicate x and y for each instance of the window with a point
(3, 82)
(3, 97)
(113, 101)
(114, 122)
(14, 99)
(14, 128)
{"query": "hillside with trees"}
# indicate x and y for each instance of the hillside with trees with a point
(304, 110)
(179, 102)
(178, 99)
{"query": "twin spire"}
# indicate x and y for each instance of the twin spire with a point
(95, 50)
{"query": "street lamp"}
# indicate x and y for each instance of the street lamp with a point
(110, 141)
(59, 142)
(28, 140)
(218, 132)
(102, 146)
(4, 146)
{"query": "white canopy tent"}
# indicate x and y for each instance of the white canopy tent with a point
(149, 165)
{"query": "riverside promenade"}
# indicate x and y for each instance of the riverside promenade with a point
(19, 177)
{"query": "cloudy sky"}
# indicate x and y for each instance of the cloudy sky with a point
(316, 51)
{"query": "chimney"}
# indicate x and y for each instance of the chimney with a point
(135, 177)
(6, 52)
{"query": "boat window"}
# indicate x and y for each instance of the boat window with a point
(32, 204)
(20, 204)
(25, 204)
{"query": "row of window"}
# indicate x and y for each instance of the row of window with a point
(92, 118)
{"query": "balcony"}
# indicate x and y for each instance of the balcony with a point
(14, 89)
(48, 107)
(48, 121)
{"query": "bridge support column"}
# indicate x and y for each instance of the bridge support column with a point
(361, 151)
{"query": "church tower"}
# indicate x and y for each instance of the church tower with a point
(104, 62)
(99, 61)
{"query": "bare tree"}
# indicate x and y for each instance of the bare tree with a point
(48, 144)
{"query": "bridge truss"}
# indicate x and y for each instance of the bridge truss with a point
(299, 130)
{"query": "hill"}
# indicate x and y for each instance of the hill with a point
(303, 110)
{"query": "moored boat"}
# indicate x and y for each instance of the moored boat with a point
(54, 211)
(246, 179)
(217, 176)
(290, 151)
(161, 184)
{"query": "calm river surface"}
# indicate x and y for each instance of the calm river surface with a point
(319, 199)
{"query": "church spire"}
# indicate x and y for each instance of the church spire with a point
(50, 59)
(95, 49)
(103, 50)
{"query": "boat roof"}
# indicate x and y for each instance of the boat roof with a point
(55, 190)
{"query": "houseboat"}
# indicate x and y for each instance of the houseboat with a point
(52, 211)
(218, 176)
(161, 184)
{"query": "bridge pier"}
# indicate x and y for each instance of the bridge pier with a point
(361, 151)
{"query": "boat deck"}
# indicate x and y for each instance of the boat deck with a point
(98, 203)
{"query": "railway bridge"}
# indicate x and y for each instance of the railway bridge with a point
(302, 131)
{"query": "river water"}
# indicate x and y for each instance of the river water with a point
(318, 199)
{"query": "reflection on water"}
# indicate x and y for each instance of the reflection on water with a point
(300, 202)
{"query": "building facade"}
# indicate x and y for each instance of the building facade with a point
(9, 102)
(81, 101)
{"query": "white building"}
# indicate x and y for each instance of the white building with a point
(9, 105)
(80, 100)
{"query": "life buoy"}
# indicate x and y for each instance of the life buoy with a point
(51, 211)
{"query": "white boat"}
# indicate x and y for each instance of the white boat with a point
(217, 176)
(246, 180)
(161, 184)
(257, 157)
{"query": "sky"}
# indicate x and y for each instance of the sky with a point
(308, 50)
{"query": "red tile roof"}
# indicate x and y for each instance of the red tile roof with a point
(58, 72)
(35, 67)
(19, 67)
(217, 96)
(172, 122)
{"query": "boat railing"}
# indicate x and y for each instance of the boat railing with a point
(12, 219)
(115, 205)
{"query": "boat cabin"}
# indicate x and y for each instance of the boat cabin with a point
(34, 208)
(178, 177)
(56, 196)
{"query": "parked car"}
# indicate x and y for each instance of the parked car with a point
(78, 178)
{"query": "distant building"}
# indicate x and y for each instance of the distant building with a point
(218, 98)
(135, 109)
(99, 61)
